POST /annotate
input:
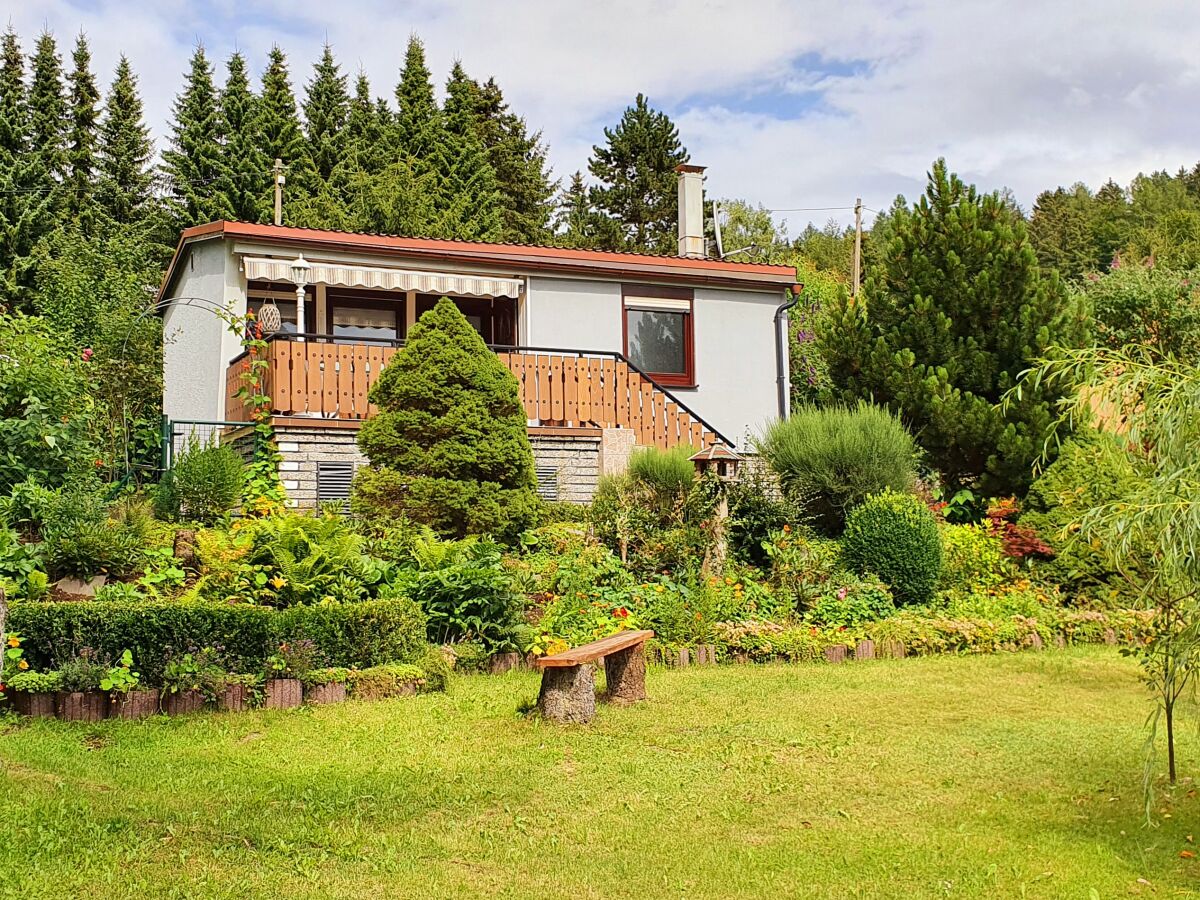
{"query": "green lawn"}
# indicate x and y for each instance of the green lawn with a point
(1004, 776)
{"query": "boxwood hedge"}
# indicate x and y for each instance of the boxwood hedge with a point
(351, 634)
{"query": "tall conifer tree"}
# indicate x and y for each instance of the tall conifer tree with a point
(48, 108)
(638, 183)
(81, 132)
(470, 199)
(193, 162)
(326, 107)
(25, 201)
(519, 160)
(576, 220)
(245, 169)
(365, 129)
(280, 135)
(418, 120)
(126, 177)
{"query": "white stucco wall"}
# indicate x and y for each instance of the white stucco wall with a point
(734, 344)
(197, 343)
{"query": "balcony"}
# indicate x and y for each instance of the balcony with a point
(324, 379)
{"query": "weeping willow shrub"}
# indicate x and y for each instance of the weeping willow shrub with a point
(830, 459)
(1150, 534)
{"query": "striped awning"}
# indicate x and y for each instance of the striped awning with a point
(260, 268)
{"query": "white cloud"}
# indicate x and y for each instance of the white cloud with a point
(1020, 94)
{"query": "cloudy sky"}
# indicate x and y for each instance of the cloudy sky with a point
(790, 103)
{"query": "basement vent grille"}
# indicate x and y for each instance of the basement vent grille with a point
(333, 481)
(547, 482)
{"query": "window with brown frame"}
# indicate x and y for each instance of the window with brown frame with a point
(659, 334)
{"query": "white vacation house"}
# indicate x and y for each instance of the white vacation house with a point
(611, 350)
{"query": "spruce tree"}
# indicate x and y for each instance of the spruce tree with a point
(518, 159)
(81, 133)
(48, 108)
(25, 198)
(449, 445)
(326, 107)
(245, 170)
(1060, 230)
(365, 130)
(193, 164)
(418, 126)
(126, 177)
(280, 135)
(576, 220)
(955, 311)
(637, 190)
(469, 197)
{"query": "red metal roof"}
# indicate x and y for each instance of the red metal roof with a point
(517, 257)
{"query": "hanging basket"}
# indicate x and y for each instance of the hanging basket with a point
(269, 317)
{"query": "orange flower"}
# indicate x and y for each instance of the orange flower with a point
(787, 529)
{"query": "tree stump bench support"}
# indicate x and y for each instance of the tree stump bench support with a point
(568, 691)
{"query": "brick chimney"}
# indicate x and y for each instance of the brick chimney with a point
(691, 210)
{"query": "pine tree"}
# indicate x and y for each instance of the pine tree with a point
(81, 133)
(955, 311)
(469, 197)
(326, 107)
(449, 446)
(280, 135)
(193, 163)
(25, 201)
(1060, 230)
(126, 177)
(638, 184)
(245, 170)
(418, 124)
(519, 160)
(48, 108)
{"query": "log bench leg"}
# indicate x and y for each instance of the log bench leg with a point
(625, 671)
(568, 694)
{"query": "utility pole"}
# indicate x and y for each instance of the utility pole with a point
(857, 244)
(279, 180)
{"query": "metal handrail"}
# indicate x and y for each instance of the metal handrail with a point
(504, 348)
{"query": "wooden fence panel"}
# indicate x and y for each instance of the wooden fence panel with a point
(557, 388)
(571, 366)
(360, 383)
(543, 388)
(297, 361)
(345, 382)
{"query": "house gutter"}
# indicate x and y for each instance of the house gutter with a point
(781, 381)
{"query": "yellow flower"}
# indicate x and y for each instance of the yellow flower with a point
(729, 581)
(659, 589)
(23, 664)
(14, 642)
(278, 581)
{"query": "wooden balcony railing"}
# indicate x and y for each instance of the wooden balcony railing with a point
(318, 378)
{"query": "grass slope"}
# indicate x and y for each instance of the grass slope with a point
(1011, 775)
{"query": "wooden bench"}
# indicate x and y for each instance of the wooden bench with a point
(568, 691)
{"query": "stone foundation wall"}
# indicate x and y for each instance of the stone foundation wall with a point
(574, 463)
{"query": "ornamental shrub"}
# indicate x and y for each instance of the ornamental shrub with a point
(449, 446)
(668, 473)
(972, 557)
(831, 459)
(1092, 469)
(350, 634)
(849, 601)
(895, 537)
(204, 484)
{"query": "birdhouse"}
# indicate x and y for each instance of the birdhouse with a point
(719, 459)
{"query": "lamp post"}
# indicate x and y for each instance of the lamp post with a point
(300, 270)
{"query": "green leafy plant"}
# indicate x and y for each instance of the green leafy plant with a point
(800, 564)
(757, 509)
(36, 682)
(121, 678)
(972, 557)
(830, 459)
(332, 675)
(380, 682)
(895, 537)
(293, 659)
(854, 602)
(83, 672)
(201, 669)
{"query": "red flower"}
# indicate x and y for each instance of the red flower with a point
(621, 612)
(87, 353)
(98, 463)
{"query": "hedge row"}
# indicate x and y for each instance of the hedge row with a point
(923, 634)
(351, 634)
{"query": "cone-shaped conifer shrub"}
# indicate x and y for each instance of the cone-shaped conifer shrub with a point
(448, 446)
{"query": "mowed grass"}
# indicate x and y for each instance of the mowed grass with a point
(1004, 776)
